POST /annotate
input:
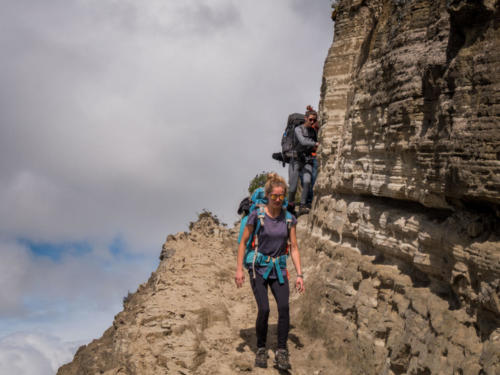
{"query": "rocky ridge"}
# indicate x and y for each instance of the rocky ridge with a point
(189, 318)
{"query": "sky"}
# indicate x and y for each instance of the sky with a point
(120, 121)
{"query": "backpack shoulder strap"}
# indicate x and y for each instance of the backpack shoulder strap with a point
(261, 214)
(260, 223)
(289, 220)
(250, 242)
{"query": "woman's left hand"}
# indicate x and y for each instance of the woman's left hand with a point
(299, 285)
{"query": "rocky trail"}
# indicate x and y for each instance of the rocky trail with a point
(190, 318)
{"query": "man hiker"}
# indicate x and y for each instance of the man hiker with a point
(303, 164)
(309, 199)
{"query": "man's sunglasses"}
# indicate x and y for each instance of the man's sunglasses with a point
(312, 120)
(277, 196)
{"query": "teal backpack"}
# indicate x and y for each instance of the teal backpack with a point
(252, 256)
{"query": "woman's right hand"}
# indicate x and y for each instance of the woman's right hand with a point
(239, 278)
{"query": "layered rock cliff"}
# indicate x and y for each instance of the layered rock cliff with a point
(407, 207)
(401, 250)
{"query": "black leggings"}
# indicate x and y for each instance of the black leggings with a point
(281, 293)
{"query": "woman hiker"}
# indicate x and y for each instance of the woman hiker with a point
(278, 230)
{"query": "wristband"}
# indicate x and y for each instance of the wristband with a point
(300, 276)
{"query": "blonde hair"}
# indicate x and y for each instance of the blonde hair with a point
(275, 180)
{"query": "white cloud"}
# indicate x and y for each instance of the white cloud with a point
(120, 120)
(34, 354)
(38, 288)
(13, 277)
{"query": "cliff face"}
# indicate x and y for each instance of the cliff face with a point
(407, 202)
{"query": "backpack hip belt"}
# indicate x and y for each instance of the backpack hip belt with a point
(254, 258)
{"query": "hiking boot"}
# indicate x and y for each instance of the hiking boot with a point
(281, 359)
(261, 358)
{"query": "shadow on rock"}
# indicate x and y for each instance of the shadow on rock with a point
(249, 338)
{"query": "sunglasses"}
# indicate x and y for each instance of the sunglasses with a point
(312, 120)
(277, 196)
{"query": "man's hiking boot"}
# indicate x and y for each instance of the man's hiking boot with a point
(281, 359)
(261, 358)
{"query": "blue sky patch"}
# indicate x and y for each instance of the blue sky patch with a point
(117, 246)
(56, 251)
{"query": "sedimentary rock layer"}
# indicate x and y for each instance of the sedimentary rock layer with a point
(411, 102)
(406, 211)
